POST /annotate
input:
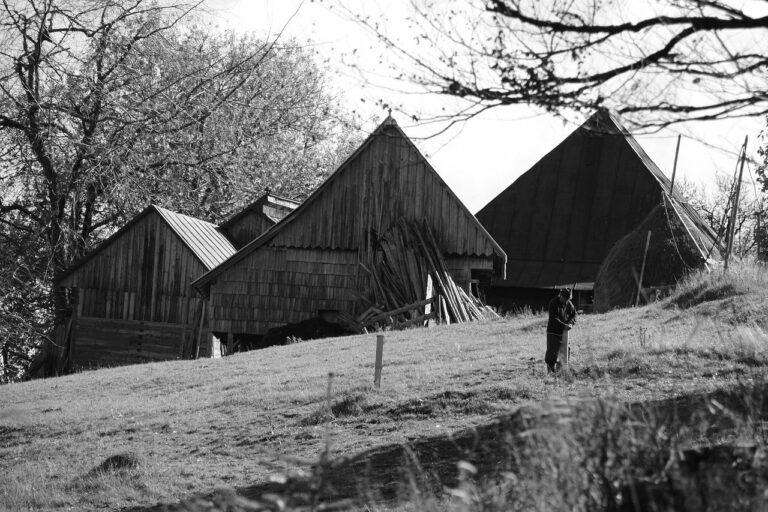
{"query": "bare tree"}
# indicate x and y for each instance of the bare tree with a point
(656, 62)
(715, 207)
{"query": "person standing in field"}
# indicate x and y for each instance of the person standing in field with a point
(562, 316)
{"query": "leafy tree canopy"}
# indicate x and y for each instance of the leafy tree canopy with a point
(106, 106)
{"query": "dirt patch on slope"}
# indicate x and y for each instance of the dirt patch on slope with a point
(359, 403)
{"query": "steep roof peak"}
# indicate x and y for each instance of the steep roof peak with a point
(603, 122)
(201, 237)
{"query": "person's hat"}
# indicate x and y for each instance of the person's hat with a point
(565, 292)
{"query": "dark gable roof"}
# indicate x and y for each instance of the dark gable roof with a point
(205, 241)
(559, 219)
(699, 230)
(270, 234)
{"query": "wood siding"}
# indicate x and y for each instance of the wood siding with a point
(308, 261)
(141, 278)
(387, 180)
(278, 286)
(100, 341)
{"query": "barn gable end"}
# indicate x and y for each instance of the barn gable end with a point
(308, 262)
(387, 178)
(133, 299)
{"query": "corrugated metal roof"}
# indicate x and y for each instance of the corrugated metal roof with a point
(203, 238)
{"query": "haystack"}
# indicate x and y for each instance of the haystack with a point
(672, 253)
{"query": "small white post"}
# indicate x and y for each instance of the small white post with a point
(379, 357)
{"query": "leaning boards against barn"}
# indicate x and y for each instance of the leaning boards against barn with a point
(311, 263)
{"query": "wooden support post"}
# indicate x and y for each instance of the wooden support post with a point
(230, 343)
(428, 295)
(198, 341)
(72, 339)
(379, 360)
(564, 356)
(642, 269)
(735, 207)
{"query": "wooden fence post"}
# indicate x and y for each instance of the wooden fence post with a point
(379, 357)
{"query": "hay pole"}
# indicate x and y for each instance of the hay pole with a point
(735, 209)
(642, 268)
(674, 166)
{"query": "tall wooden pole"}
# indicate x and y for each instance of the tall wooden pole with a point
(642, 269)
(674, 166)
(758, 233)
(735, 208)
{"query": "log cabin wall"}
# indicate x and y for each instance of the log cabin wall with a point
(134, 302)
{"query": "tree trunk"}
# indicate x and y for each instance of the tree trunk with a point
(6, 365)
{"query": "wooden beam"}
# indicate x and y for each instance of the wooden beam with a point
(735, 209)
(642, 269)
(404, 309)
(674, 166)
(379, 360)
(198, 341)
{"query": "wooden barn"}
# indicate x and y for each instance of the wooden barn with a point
(132, 294)
(559, 220)
(308, 265)
(256, 218)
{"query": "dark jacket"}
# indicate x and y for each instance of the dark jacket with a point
(566, 313)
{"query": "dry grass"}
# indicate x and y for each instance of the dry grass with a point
(197, 425)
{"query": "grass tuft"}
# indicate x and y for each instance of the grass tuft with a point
(741, 278)
(116, 463)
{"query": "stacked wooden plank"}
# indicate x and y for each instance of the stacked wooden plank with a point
(404, 281)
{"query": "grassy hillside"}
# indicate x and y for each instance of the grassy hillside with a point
(192, 426)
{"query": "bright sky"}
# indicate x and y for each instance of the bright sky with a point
(480, 157)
